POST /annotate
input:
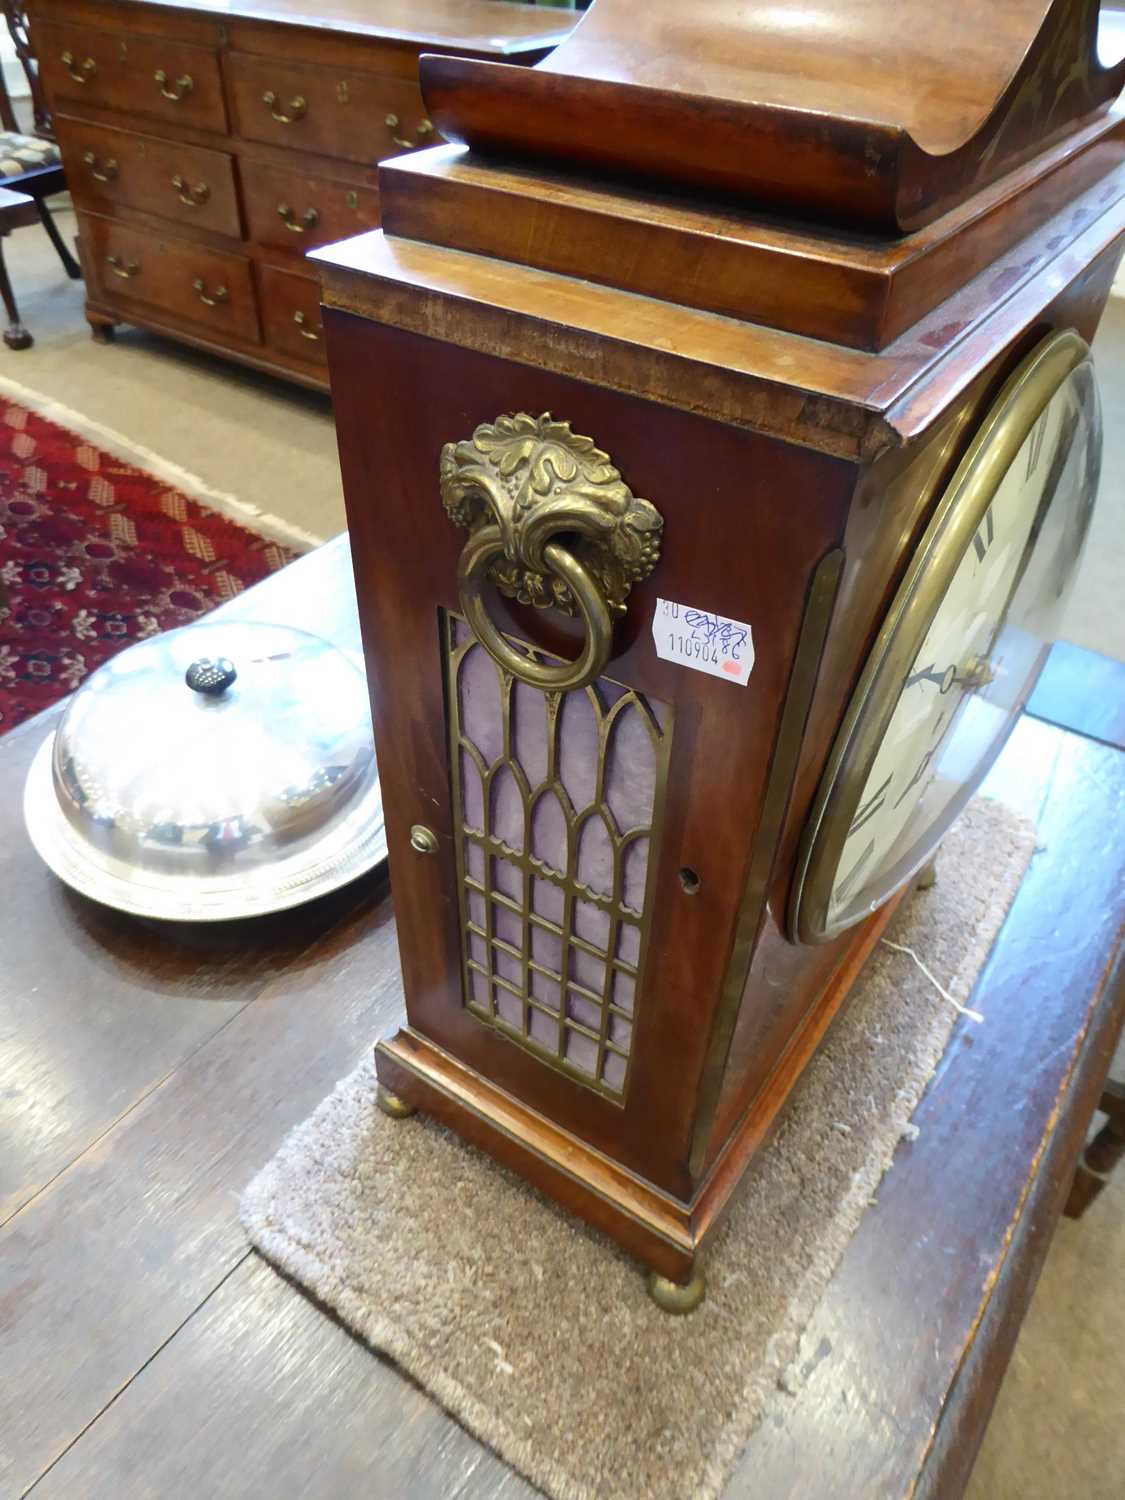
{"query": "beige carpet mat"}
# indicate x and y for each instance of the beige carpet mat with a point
(536, 1332)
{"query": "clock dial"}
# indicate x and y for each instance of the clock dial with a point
(963, 642)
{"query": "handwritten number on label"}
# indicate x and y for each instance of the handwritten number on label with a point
(725, 635)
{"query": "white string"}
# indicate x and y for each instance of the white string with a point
(973, 1015)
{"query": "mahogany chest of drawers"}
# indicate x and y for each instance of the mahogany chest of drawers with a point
(209, 145)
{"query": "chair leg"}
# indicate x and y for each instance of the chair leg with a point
(16, 335)
(1101, 1155)
(70, 265)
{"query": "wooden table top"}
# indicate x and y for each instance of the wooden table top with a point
(146, 1073)
(484, 26)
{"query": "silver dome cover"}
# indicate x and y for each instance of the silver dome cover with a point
(212, 772)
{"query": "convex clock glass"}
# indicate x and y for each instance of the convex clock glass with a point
(960, 647)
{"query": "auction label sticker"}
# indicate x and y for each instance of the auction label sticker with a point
(703, 640)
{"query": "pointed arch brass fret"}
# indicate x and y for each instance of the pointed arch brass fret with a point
(558, 799)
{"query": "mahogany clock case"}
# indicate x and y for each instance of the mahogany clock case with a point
(795, 477)
(748, 518)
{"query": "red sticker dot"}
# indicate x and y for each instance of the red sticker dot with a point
(733, 668)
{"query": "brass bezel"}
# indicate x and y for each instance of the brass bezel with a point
(948, 536)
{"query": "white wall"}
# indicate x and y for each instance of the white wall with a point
(13, 72)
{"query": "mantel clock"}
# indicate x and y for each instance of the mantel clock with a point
(715, 484)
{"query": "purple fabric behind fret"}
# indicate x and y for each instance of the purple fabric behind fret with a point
(575, 789)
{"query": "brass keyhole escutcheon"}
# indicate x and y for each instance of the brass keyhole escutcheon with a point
(423, 840)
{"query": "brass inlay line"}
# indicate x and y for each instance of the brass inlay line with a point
(783, 765)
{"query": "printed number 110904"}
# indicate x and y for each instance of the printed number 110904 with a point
(703, 640)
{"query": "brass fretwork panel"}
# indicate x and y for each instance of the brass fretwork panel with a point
(558, 798)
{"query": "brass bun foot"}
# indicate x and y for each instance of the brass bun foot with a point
(926, 878)
(392, 1105)
(677, 1296)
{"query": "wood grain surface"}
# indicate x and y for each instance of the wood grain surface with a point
(146, 1355)
(850, 113)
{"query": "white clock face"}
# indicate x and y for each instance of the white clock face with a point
(956, 700)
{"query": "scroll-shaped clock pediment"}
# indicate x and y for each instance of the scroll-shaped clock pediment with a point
(884, 113)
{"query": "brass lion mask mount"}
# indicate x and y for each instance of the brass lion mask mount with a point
(516, 485)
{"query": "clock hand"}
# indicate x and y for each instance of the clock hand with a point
(944, 679)
(976, 673)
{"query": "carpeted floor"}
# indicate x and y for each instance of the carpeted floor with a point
(268, 442)
(1056, 1430)
(102, 545)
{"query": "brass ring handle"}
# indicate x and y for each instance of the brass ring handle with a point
(82, 71)
(297, 107)
(303, 324)
(308, 220)
(179, 90)
(199, 287)
(192, 196)
(108, 172)
(518, 485)
(484, 548)
(425, 128)
(126, 269)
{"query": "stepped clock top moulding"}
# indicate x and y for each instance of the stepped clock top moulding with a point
(884, 114)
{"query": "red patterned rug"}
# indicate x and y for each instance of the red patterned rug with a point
(96, 554)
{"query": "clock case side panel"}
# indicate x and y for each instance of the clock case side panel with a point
(895, 498)
(747, 520)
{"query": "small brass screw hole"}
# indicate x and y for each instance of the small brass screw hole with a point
(690, 880)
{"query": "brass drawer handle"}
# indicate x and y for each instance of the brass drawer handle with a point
(179, 90)
(108, 171)
(193, 197)
(307, 332)
(297, 107)
(308, 220)
(516, 485)
(126, 269)
(199, 287)
(425, 128)
(82, 71)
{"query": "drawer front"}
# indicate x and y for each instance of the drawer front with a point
(333, 113)
(166, 80)
(293, 211)
(106, 168)
(291, 314)
(138, 267)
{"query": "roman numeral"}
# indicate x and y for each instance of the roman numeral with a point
(844, 890)
(1035, 447)
(923, 765)
(868, 809)
(985, 533)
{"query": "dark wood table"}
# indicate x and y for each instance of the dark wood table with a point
(146, 1073)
